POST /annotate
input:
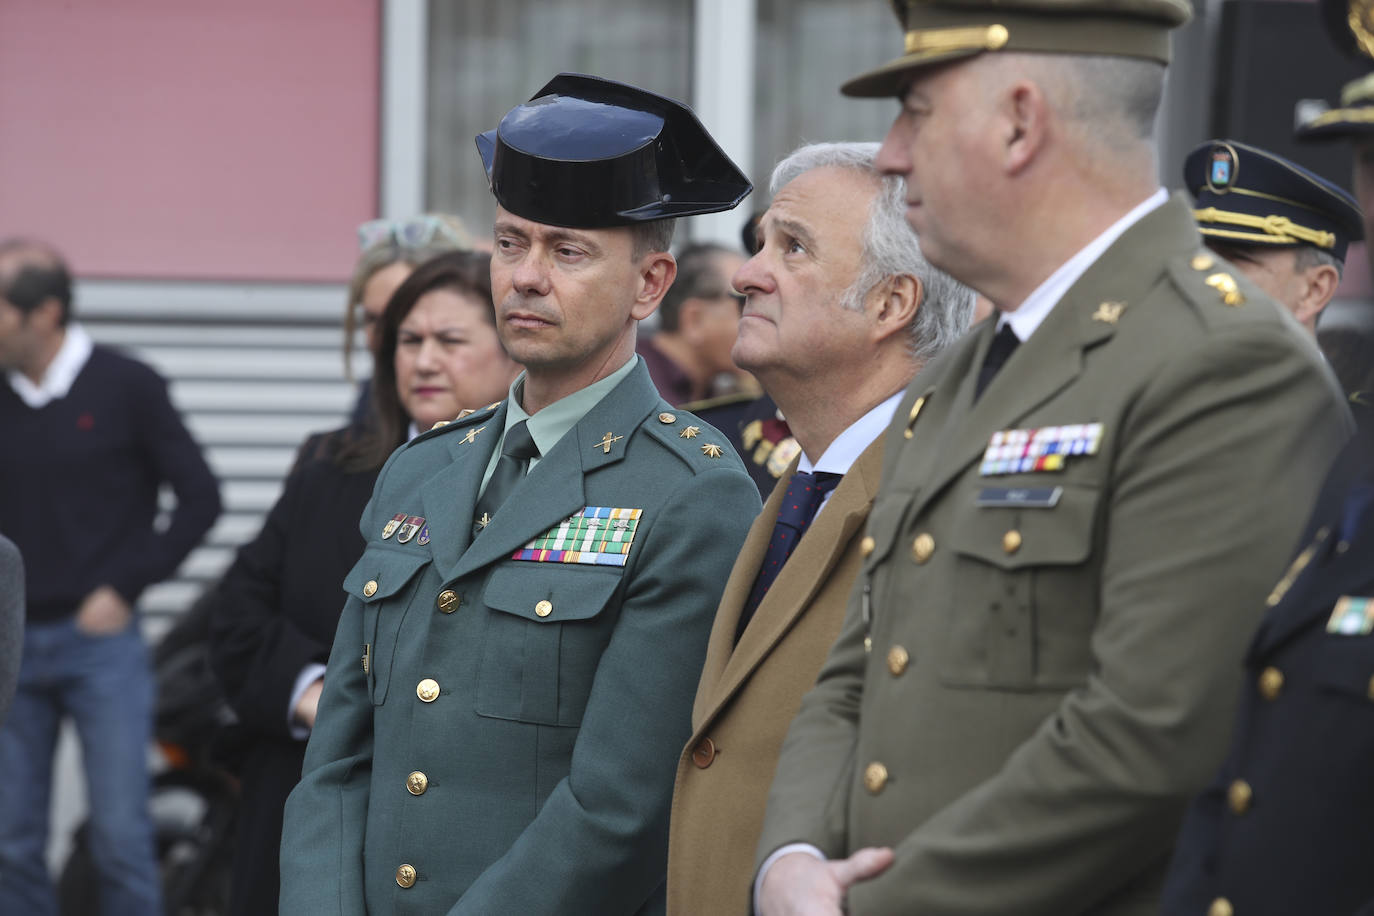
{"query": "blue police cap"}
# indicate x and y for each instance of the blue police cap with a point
(590, 153)
(1249, 197)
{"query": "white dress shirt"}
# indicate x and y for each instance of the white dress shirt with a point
(61, 373)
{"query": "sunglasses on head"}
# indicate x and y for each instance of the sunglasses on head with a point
(415, 232)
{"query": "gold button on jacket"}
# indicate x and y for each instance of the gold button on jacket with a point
(875, 777)
(543, 608)
(867, 545)
(1238, 796)
(1011, 541)
(897, 660)
(448, 601)
(370, 588)
(1270, 683)
(922, 548)
(417, 783)
(1221, 907)
(427, 690)
(405, 876)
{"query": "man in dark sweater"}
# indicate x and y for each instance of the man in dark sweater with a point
(88, 437)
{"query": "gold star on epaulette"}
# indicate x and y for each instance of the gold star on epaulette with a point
(466, 411)
(439, 423)
(711, 450)
(689, 432)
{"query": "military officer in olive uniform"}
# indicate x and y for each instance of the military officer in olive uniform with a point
(514, 668)
(1083, 503)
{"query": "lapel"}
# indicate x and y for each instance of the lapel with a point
(1052, 358)
(449, 496)
(807, 570)
(555, 488)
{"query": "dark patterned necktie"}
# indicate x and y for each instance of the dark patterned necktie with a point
(516, 451)
(1002, 346)
(805, 493)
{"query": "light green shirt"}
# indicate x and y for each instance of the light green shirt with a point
(553, 422)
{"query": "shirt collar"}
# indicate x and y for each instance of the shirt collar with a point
(1028, 316)
(849, 445)
(553, 422)
(61, 373)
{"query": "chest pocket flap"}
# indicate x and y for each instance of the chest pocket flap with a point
(384, 581)
(1015, 538)
(541, 649)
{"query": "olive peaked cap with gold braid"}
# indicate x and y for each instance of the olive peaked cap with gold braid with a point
(1252, 198)
(938, 31)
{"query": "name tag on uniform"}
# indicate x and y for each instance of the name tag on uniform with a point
(1022, 451)
(1019, 497)
(596, 536)
(1352, 616)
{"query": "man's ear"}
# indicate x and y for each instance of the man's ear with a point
(1319, 284)
(1025, 112)
(657, 270)
(893, 305)
(48, 314)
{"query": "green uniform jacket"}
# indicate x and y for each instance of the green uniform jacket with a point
(1055, 655)
(514, 737)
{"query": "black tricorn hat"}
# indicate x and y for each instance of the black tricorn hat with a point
(589, 153)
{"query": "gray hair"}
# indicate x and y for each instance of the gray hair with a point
(1305, 257)
(890, 247)
(1113, 100)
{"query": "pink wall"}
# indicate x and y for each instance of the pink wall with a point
(191, 138)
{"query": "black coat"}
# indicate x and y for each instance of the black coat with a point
(273, 613)
(1286, 826)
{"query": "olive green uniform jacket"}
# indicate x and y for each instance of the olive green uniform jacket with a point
(1073, 654)
(510, 746)
(749, 692)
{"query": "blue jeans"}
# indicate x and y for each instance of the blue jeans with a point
(105, 685)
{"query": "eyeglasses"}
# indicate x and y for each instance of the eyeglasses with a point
(415, 232)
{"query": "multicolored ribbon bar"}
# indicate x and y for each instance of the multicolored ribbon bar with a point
(595, 536)
(1021, 451)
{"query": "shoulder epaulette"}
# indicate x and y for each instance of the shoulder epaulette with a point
(699, 443)
(465, 419)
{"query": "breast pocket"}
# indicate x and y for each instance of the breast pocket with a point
(1025, 595)
(548, 628)
(384, 580)
(1344, 667)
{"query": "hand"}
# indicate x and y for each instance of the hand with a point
(103, 613)
(309, 704)
(799, 884)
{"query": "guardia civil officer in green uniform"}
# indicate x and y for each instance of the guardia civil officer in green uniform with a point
(1083, 505)
(513, 673)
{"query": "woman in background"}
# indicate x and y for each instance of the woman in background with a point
(390, 250)
(275, 611)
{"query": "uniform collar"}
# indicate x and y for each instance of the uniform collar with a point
(1028, 316)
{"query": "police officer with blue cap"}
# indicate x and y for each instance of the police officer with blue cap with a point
(1283, 226)
(514, 669)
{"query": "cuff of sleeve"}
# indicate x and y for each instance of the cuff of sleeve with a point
(309, 675)
(778, 854)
